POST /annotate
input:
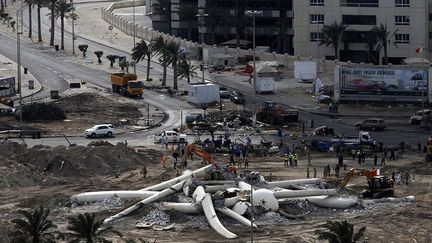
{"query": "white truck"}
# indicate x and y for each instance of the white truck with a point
(305, 70)
(171, 136)
(363, 138)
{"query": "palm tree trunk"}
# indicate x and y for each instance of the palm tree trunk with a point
(1, 6)
(164, 75)
(52, 23)
(189, 30)
(62, 32)
(175, 85)
(5, 3)
(148, 67)
(336, 47)
(385, 54)
(30, 21)
(39, 23)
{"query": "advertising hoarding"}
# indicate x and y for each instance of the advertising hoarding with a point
(383, 81)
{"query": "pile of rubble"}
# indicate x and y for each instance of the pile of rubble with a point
(22, 166)
(242, 117)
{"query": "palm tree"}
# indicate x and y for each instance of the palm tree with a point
(83, 48)
(340, 232)
(185, 69)
(34, 228)
(188, 13)
(141, 51)
(173, 53)
(52, 14)
(372, 42)
(30, 4)
(39, 4)
(62, 7)
(382, 35)
(158, 46)
(85, 228)
(99, 54)
(332, 35)
(163, 7)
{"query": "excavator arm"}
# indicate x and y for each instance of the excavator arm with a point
(191, 148)
(353, 173)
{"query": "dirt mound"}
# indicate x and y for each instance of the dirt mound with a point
(22, 166)
(97, 109)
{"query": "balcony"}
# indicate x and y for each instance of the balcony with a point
(360, 3)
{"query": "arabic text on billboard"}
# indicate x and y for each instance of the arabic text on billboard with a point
(383, 81)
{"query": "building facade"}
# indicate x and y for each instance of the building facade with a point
(407, 22)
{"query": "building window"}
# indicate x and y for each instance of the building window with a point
(402, 20)
(316, 36)
(359, 3)
(402, 38)
(317, 19)
(359, 19)
(402, 3)
(317, 2)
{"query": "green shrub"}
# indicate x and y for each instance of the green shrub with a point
(43, 112)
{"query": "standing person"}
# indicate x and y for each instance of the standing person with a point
(325, 172)
(381, 145)
(392, 154)
(337, 169)
(398, 178)
(286, 158)
(232, 162)
(393, 175)
(385, 152)
(375, 160)
(290, 158)
(328, 170)
(340, 159)
(295, 159)
(307, 172)
(383, 160)
(303, 127)
(359, 157)
(407, 177)
(311, 124)
(309, 157)
(315, 172)
(165, 139)
(246, 161)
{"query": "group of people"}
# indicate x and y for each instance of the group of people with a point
(239, 152)
(290, 159)
(401, 177)
(327, 171)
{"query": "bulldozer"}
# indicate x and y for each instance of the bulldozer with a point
(379, 186)
(274, 114)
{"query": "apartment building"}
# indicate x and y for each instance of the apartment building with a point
(406, 20)
(273, 24)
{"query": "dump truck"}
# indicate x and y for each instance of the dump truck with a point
(274, 114)
(126, 84)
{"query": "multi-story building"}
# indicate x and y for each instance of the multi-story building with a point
(227, 20)
(295, 26)
(407, 22)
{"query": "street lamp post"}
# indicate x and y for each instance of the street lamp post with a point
(253, 13)
(73, 27)
(134, 30)
(19, 33)
(201, 15)
(317, 22)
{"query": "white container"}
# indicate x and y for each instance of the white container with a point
(265, 85)
(305, 70)
(203, 94)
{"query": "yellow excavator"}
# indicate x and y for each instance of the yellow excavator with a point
(379, 186)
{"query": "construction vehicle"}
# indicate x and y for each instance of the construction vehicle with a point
(274, 114)
(126, 84)
(379, 186)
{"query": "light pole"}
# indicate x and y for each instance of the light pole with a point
(253, 13)
(19, 33)
(317, 22)
(73, 27)
(134, 30)
(201, 14)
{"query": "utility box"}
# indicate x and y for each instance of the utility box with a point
(202, 94)
(264, 85)
(305, 70)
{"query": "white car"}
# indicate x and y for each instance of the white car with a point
(100, 130)
(171, 137)
(417, 117)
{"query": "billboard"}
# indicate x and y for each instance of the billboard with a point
(383, 81)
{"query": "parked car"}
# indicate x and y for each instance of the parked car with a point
(100, 130)
(321, 146)
(373, 124)
(237, 97)
(194, 117)
(418, 116)
(224, 93)
(171, 136)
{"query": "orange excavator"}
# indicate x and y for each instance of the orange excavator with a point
(192, 148)
(379, 186)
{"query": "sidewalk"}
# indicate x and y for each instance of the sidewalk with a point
(8, 68)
